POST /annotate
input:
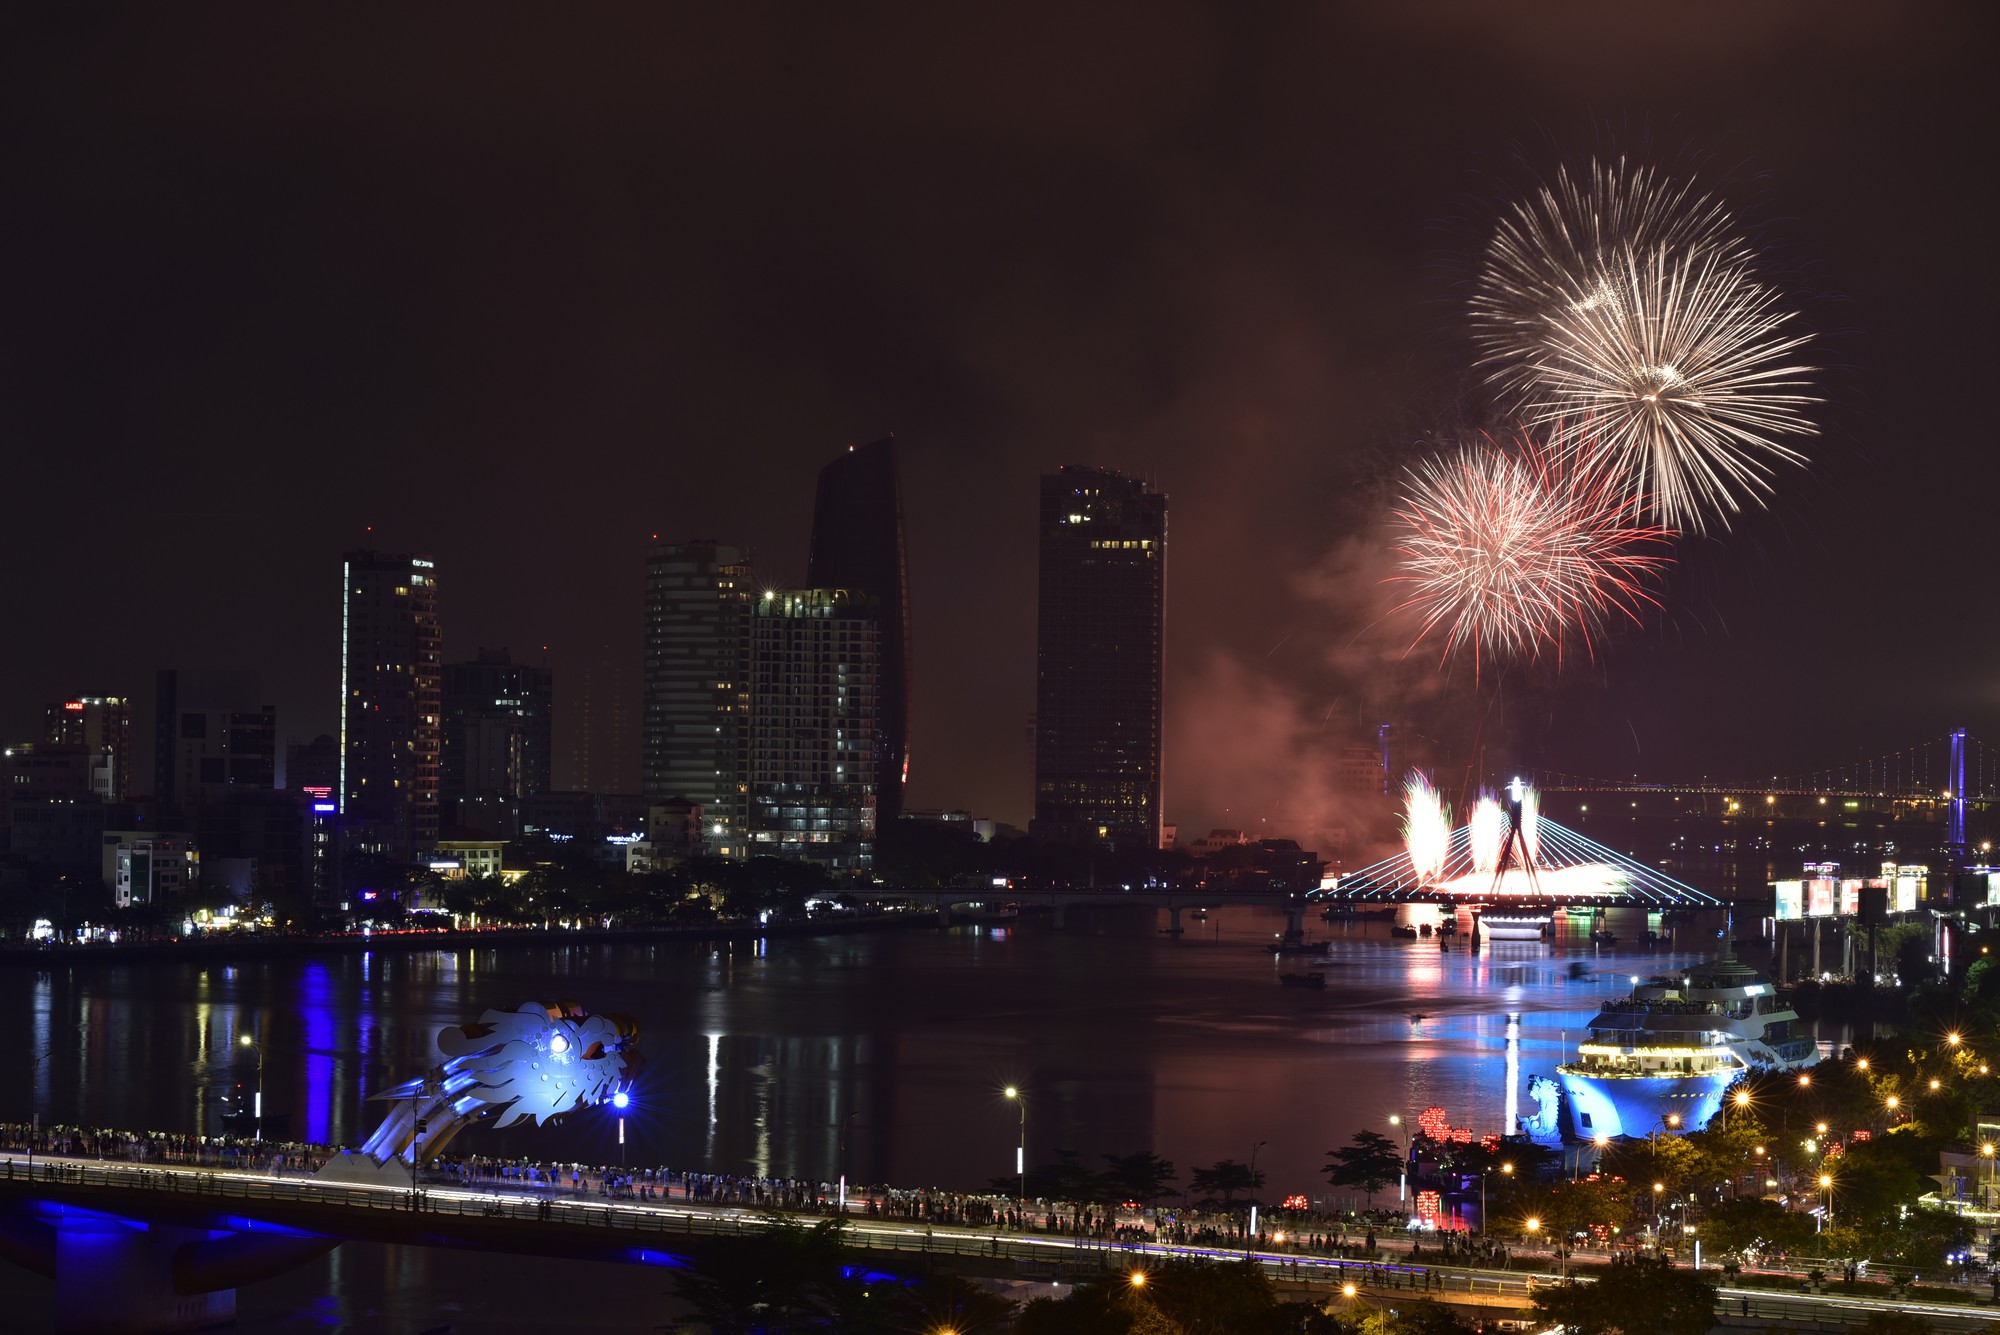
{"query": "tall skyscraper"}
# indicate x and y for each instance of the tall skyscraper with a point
(102, 726)
(1099, 635)
(391, 664)
(698, 597)
(858, 545)
(814, 673)
(498, 735)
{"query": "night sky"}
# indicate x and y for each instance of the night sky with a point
(522, 290)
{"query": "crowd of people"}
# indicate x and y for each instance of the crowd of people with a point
(1349, 1236)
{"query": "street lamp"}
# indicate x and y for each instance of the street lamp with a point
(1021, 1150)
(1600, 1144)
(257, 1109)
(1986, 1153)
(1826, 1185)
(621, 1101)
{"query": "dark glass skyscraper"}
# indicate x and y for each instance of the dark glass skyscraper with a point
(1099, 634)
(857, 544)
(391, 667)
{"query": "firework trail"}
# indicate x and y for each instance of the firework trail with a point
(1426, 828)
(1628, 302)
(1512, 552)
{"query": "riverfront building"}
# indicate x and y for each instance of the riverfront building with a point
(391, 680)
(102, 726)
(815, 671)
(1100, 616)
(858, 545)
(698, 600)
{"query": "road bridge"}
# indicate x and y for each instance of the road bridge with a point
(184, 1229)
(1176, 900)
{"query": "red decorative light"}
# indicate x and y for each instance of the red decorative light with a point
(1294, 1202)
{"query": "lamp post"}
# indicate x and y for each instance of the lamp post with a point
(621, 1101)
(1986, 1153)
(257, 1109)
(1506, 1170)
(1021, 1150)
(1826, 1185)
(1598, 1143)
(1402, 1179)
(845, 1122)
(1250, 1234)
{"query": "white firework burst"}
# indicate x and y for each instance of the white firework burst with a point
(1626, 301)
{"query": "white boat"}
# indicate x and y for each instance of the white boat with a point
(1675, 1045)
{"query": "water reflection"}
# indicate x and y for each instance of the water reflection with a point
(881, 1054)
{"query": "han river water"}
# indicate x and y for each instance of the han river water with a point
(882, 1054)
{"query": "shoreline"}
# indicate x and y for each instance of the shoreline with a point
(219, 949)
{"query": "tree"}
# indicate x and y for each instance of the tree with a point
(1141, 1176)
(1639, 1295)
(785, 1276)
(1753, 1225)
(1224, 1180)
(1427, 1316)
(1212, 1298)
(1371, 1162)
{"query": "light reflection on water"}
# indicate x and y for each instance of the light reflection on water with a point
(1120, 1036)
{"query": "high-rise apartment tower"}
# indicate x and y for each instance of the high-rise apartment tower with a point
(497, 729)
(1100, 616)
(814, 679)
(391, 679)
(698, 598)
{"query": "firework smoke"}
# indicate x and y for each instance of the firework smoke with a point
(1518, 551)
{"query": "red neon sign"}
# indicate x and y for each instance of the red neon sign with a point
(73, 706)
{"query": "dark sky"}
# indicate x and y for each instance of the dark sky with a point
(522, 288)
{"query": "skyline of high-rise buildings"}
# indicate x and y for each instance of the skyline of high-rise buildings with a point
(1099, 642)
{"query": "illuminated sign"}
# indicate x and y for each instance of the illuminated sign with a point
(320, 791)
(325, 807)
(73, 706)
(1790, 897)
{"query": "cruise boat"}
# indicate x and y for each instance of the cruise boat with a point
(1675, 1045)
(1525, 926)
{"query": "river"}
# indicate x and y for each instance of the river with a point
(883, 1054)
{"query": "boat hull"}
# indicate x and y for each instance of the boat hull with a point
(1639, 1105)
